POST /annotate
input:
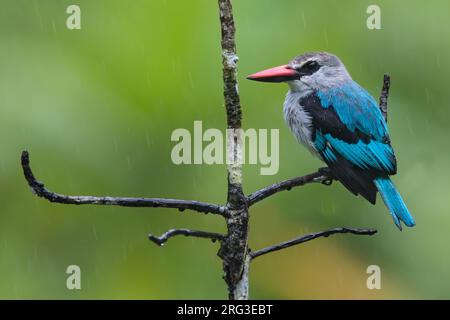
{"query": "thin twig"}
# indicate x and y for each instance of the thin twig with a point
(40, 190)
(309, 237)
(323, 176)
(384, 95)
(185, 232)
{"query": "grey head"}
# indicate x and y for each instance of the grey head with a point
(309, 71)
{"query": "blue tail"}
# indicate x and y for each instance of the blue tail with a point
(394, 202)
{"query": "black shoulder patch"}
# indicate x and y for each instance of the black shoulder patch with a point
(327, 120)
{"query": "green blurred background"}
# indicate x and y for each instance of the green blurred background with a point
(96, 107)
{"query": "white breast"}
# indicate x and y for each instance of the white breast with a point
(298, 120)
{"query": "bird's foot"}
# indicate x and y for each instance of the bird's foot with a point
(325, 171)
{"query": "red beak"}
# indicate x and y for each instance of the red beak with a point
(277, 74)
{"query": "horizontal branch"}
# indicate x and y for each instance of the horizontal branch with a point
(323, 175)
(309, 237)
(185, 232)
(40, 190)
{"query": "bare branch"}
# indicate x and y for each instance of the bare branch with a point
(233, 250)
(309, 237)
(323, 175)
(40, 190)
(185, 232)
(229, 62)
(385, 95)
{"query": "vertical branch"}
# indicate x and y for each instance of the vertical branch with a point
(384, 95)
(229, 61)
(233, 249)
(241, 290)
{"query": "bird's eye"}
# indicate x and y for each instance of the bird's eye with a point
(311, 65)
(309, 68)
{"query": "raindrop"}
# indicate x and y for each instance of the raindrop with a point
(410, 127)
(325, 33)
(149, 83)
(304, 20)
(53, 26)
(36, 7)
(36, 253)
(428, 95)
(116, 145)
(94, 229)
(129, 163)
(174, 66)
(191, 81)
(147, 138)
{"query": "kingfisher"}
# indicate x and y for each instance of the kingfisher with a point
(341, 124)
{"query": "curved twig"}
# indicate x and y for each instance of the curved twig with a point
(40, 190)
(185, 232)
(323, 175)
(309, 237)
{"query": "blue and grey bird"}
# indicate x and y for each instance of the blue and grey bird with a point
(341, 124)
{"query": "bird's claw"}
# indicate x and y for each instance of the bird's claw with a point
(325, 171)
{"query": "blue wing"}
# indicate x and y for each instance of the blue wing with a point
(356, 109)
(351, 135)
